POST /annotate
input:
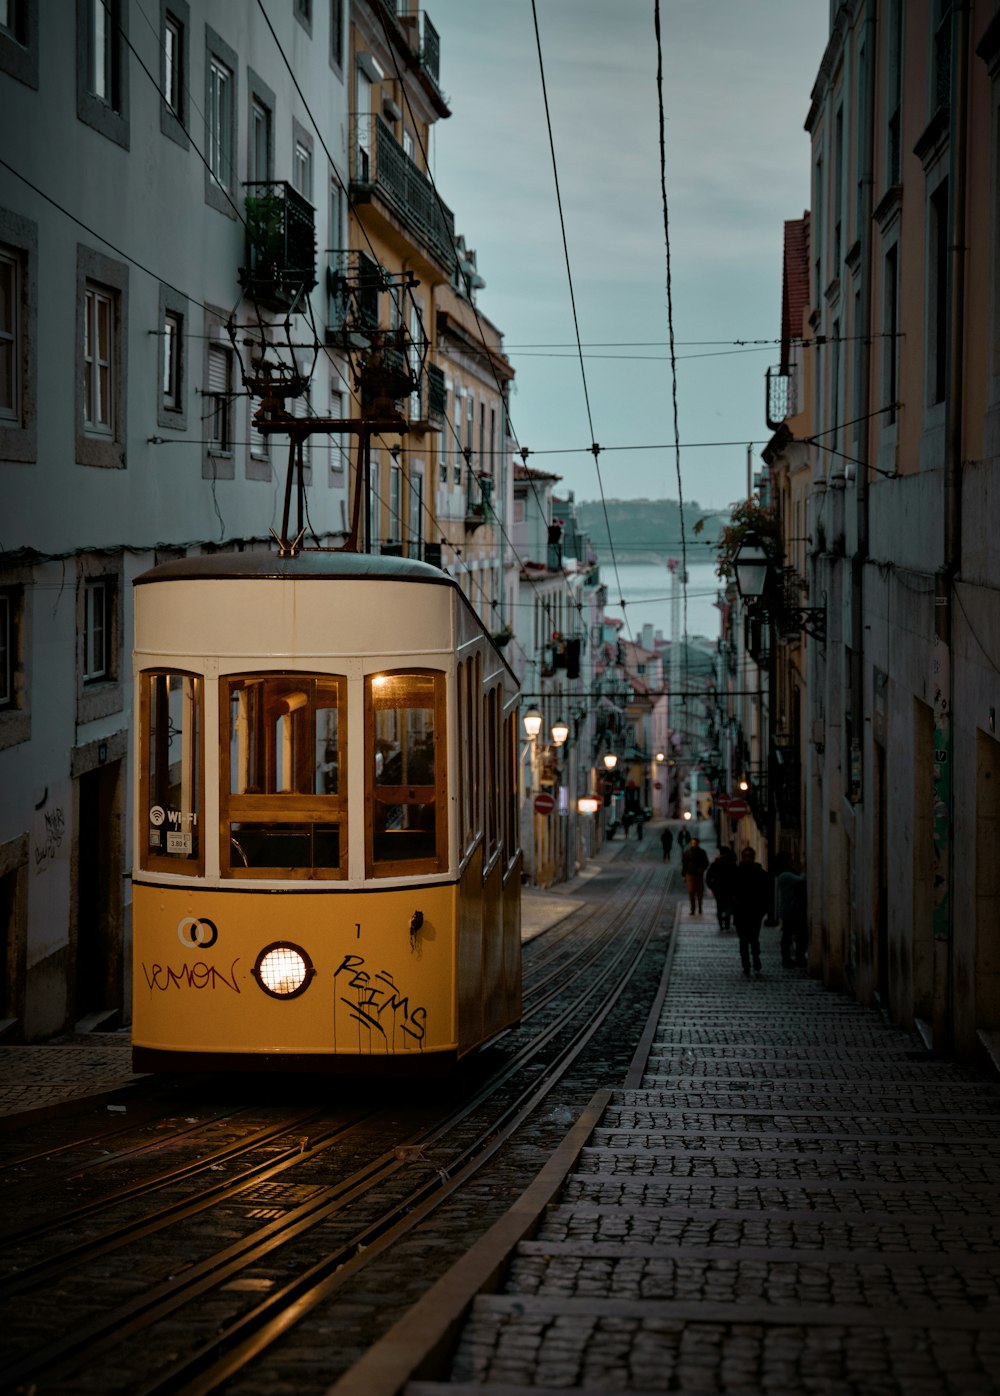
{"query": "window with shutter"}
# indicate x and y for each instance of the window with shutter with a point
(219, 401)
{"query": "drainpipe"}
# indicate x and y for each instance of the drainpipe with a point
(944, 692)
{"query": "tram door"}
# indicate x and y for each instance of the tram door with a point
(98, 891)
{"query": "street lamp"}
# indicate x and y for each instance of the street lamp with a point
(560, 731)
(762, 584)
(752, 565)
(532, 723)
(610, 760)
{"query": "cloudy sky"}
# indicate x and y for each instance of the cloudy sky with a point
(736, 86)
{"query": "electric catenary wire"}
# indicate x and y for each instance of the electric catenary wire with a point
(595, 448)
(670, 319)
(523, 452)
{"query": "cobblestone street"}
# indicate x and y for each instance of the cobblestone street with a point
(797, 1199)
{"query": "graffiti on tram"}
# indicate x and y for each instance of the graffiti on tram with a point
(374, 1002)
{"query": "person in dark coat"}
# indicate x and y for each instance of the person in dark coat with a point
(719, 880)
(751, 898)
(790, 887)
(694, 864)
(667, 839)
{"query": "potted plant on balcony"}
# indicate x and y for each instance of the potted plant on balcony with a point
(265, 215)
(748, 517)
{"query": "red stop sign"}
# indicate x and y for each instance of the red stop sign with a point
(544, 804)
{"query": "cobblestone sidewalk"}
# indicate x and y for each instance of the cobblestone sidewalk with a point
(797, 1200)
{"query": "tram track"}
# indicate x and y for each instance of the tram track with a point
(343, 1227)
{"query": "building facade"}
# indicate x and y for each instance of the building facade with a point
(126, 436)
(899, 741)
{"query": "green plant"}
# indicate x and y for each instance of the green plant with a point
(265, 215)
(747, 517)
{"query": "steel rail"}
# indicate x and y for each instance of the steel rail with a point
(167, 1297)
(301, 1296)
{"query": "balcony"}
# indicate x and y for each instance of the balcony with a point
(353, 285)
(477, 508)
(381, 167)
(781, 396)
(281, 246)
(428, 404)
(424, 42)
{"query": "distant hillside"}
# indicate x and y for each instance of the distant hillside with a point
(648, 529)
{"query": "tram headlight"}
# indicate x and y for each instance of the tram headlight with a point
(283, 970)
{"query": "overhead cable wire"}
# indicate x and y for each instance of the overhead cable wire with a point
(490, 354)
(595, 448)
(360, 224)
(670, 308)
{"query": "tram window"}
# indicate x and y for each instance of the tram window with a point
(464, 740)
(284, 736)
(285, 744)
(492, 789)
(478, 707)
(406, 827)
(510, 787)
(171, 771)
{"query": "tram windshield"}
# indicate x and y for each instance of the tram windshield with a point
(170, 770)
(405, 752)
(285, 775)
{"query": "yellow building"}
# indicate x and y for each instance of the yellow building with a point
(434, 484)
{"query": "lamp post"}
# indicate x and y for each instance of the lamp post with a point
(532, 723)
(658, 760)
(559, 732)
(610, 759)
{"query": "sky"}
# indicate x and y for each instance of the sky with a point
(737, 78)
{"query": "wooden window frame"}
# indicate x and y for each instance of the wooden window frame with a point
(280, 808)
(156, 862)
(438, 862)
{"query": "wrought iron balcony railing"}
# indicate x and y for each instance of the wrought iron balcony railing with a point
(281, 245)
(424, 41)
(380, 165)
(781, 396)
(429, 403)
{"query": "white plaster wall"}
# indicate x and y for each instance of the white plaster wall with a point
(146, 203)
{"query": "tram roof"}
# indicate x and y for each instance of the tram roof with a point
(306, 565)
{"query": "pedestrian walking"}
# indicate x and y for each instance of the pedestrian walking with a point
(683, 837)
(694, 864)
(667, 839)
(750, 904)
(638, 827)
(719, 880)
(791, 892)
(627, 820)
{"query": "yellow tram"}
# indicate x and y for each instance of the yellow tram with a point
(326, 870)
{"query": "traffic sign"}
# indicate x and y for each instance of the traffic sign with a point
(544, 804)
(737, 809)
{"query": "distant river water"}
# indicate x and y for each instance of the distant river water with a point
(646, 588)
